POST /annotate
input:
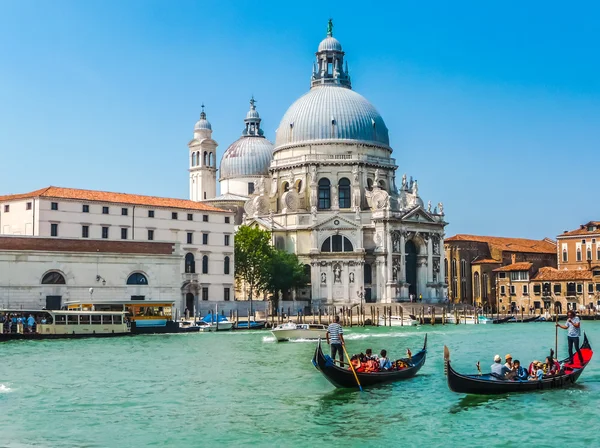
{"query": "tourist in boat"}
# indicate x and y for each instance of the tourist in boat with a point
(384, 361)
(573, 328)
(519, 370)
(369, 355)
(335, 339)
(357, 364)
(509, 361)
(538, 372)
(30, 323)
(498, 369)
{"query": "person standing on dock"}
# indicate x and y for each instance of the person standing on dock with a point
(335, 337)
(573, 328)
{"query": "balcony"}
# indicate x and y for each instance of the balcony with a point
(333, 158)
(189, 277)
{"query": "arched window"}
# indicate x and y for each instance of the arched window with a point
(484, 287)
(205, 264)
(210, 159)
(137, 278)
(368, 274)
(337, 243)
(589, 254)
(198, 158)
(370, 184)
(565, 256)
(324, 194)
(307, 273)
(382, 184)
(193, 159)
(476, 284)
(463, 268)
(285, 187)
(53, 278)
(190, 264)
(226, 266)
(344, 193)
(205, 158)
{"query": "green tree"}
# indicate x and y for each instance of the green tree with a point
(253, 254)
(286, 272)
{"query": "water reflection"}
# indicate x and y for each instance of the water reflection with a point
(475, 401)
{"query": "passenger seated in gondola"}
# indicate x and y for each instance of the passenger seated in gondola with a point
(538, 372)
(369, 354)
(371, 366)
(400, 365)
(499, 370)
(357, 364)
(384, 362)
(551, 367)
(520, 372)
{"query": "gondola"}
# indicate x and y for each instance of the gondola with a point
(487, 384)
(344, 378)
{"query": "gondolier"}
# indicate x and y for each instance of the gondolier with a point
(335, 338)
(573, 328)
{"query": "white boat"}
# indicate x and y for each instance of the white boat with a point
(215, 322)
(290, 330)
(469, 320)
(398, 321)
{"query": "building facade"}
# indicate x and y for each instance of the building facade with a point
(205, 234)
(473, 260)
(579, 248)
(327, 191)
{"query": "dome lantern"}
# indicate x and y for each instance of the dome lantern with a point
(329, 68)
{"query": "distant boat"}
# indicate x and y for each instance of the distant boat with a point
(291, 331)
(215, 322)
(398, 321)
(250, 325)
(469, 320)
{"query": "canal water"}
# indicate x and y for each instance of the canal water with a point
(242, 388)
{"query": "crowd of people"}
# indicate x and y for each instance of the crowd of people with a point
(369, 362)
(12, 321)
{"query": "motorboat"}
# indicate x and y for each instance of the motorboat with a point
(250, 325)
(215, 322)
(291, 330)
(398, 321)
(469, 320)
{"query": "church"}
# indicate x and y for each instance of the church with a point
(327, 191)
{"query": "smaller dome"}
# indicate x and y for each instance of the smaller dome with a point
(252, 113)
(247, 156)
(203, 123)
(330, 43)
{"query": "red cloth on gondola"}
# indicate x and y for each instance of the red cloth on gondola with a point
(586, 353)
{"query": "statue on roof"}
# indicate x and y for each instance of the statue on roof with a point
(330, 27)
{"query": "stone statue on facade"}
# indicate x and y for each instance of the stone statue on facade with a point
(410, 185)
(260, 185)
(376, 180)
(351, 277)
(441, 207)
(337, 274)
(323, 277)
(415, 188)
(313, 174)
(404, 181)
(429, 206)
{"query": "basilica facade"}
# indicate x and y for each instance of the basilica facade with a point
(327, 191)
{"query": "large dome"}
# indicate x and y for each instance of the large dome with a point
(247, 156)
(330, 112)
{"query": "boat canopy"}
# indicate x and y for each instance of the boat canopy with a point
(211, 318)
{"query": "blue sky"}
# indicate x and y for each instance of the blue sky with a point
(494, 108)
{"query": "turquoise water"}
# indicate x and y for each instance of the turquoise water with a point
(243, 388)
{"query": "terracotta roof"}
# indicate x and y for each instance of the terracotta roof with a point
(583, 230)
(108, 197)
(522, 266)
(509, 244)
(486, 261)
(548, 273)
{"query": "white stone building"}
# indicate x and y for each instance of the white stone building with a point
(202, 237)
(329, 194)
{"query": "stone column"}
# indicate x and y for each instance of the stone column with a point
(429, 260)
(345, 279)
(389, 267)
(402, 257)
(315, 281)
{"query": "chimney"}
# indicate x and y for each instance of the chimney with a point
(513, 258)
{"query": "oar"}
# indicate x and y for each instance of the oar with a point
(556, 339)
(352, 367)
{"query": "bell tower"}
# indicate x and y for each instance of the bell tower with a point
(329, 68)
(202, 161)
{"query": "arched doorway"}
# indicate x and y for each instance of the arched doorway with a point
(557, 307)
(410, 257)
(189, 303)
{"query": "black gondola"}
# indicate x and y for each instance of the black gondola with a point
(344, 378)
(487, 384)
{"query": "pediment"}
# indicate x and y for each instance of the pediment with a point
(418, 215)
(336, 222)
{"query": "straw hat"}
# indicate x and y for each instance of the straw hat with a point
(497, 358)
(508, 356)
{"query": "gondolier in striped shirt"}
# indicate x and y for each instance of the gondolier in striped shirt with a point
(335, 337)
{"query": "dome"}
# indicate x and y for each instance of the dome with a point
(330, 43)
(247, 156)
(331, 112)
(203, 123)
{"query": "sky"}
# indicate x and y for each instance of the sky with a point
(493, 107)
